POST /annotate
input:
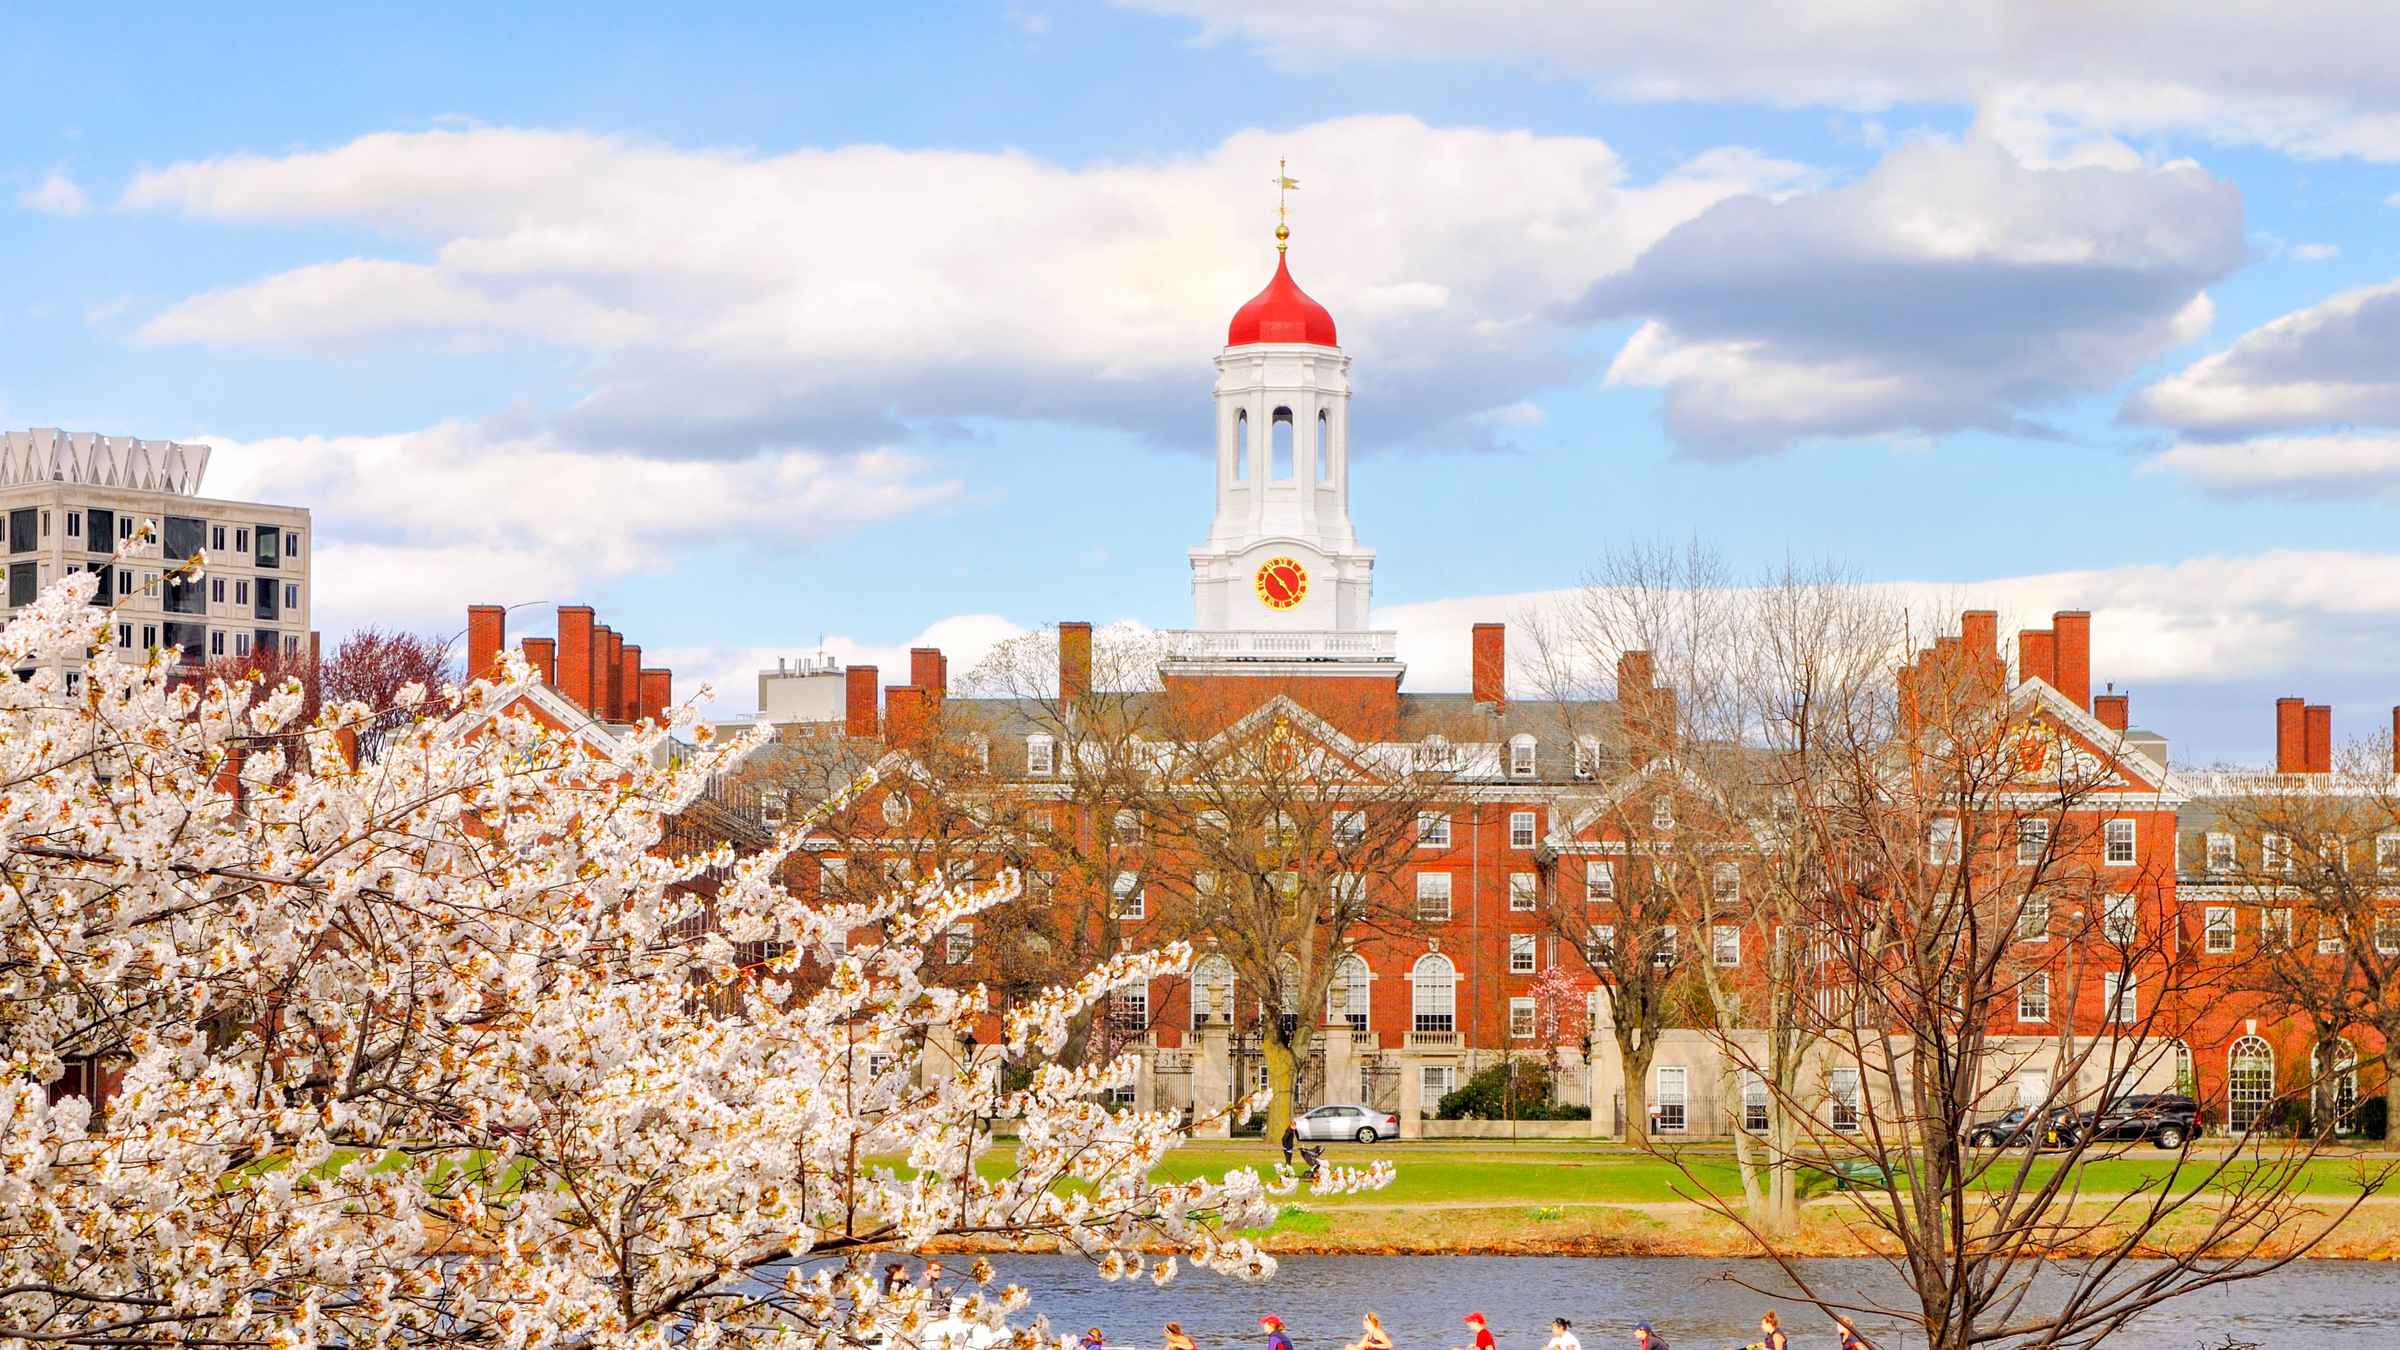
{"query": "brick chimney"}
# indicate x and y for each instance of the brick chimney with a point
(2316, 733)
(860, 685)
(1979, 633)
(929, 671)
(1490, 678)
(1646, 711)
(1074, 661)
(629, 682)
(542, 655)
(2291, 736)
(658, 692)
(907, 715)
(487, 633)
(2037, 656)
(2074, 629)
(575, 654)
(2113, 710)
(608, 672)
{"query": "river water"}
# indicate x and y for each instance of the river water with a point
(1692, 1302)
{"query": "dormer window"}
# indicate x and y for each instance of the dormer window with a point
(1436, 754)
(772, 803)
(1662, 814)
(1587, 757)
(1041, 756)
(1520, 757)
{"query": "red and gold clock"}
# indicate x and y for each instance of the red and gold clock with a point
(1282, 583)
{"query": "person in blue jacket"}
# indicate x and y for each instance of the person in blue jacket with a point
(1273, 1326)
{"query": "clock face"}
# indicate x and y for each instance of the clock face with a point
(1282, 583)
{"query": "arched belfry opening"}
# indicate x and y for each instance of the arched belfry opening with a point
(1280, 468)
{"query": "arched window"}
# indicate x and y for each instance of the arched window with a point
(1241, 445)
(1433, 996)
(1346, 1000)
(1279, 468)
(1322, 471)
(1212, 990)
(2337, 1083)
(2249, 1082)
(2187, 1082)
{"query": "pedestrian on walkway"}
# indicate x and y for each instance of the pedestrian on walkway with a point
(1647, 1339)
(1291, 1140)
(1562, 1335)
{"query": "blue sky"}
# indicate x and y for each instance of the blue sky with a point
(758, 328)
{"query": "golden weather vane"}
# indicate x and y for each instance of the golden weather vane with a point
(1284, 183)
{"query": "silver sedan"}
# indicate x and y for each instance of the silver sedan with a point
(1364, 1124)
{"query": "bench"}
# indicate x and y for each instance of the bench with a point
(1861, 1172)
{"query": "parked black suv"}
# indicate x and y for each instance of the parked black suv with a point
(2013, 1129)
(2167, 1119)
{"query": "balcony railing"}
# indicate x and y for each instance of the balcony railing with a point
(1433, 1040)
(1267, 644)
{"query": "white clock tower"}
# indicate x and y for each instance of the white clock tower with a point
(1281, 555)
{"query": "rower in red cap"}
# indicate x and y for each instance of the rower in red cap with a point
(1483, 1333)
(1273, 1326)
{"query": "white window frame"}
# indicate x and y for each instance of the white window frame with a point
(1434, 1082)
(1520, 1019)
(1842, 1101)
(2387, 853)
(1942, 844)
(2118, 840)
(1521, 757)
(1662, 813)
(1673, 1105)
(2275, 854)
(2120, 917)
(2033, 997)
(1129, 898)
(2120, 996)
(1429, 1013)
(1523, 954)
(2033, 840)
(1725, 944)
(1434, 888)
(1129, 1009)
(1433, 829)
(1524, 892)
(1599, 880)
(2387, 932)
(1126, 829)
(2033, 917)
(1754, 1102)
(1349, 827)
(2218, 928)
(1521, 833)
(2275, 928)
(2223, 852)
(2329, 936)
(1587, 757)
(1599, 942)
(1041, 756)
(958, 943)
(1669, 947)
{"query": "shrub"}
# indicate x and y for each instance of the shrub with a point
(1509, 1090)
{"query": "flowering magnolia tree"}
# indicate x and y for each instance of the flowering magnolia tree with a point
(418, 1050)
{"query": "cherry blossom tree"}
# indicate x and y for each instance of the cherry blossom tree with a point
(421, 1047)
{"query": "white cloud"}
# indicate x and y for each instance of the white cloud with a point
(1951, 287)
(2316, 78)
(2329, 365)
(412, 528)
(2316, 252)
(55, 195)
(734, 299)
(2329, 465)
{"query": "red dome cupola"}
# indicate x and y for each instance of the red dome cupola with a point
(1281, 313)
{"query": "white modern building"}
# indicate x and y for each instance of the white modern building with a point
(73, 501)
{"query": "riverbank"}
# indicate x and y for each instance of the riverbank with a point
(1498, 1198)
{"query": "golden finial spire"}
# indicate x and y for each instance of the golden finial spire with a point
(1284, 182)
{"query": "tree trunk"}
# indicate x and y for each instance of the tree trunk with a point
(1283, 1076)
(1634, 1051)
(2391, 1087)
